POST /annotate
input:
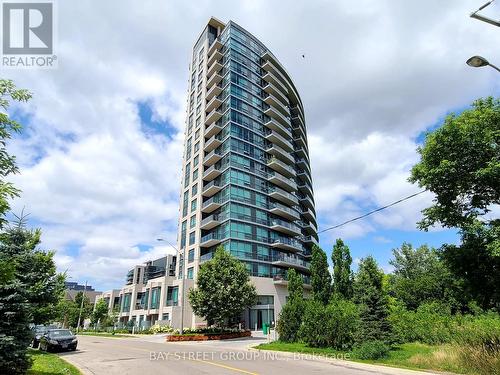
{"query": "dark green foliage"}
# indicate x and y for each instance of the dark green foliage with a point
(290, 320)
(460, 163)
(320, 276)
(373, 300)
(295, 285)
(342, 275)
(223, 289)
(421, 276)
(332, 326)
(372, 350)
(476, 263)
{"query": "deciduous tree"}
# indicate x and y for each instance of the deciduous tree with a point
(321, 280)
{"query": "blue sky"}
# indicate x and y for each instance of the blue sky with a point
(101, 152)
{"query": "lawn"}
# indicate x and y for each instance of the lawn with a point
(50, 364)
(411, 355)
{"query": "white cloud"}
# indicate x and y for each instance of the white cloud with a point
(375, 74)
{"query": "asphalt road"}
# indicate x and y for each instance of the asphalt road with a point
(144, 356)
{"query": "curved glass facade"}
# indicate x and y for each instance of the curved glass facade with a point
(247, 182)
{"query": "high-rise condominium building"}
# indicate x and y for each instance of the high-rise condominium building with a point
(246, 176)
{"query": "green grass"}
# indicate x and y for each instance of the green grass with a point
(103, 334)
(50, 364)
(411, 355)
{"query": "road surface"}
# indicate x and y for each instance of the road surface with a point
(152, 355)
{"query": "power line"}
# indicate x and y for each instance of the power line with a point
(372, 212)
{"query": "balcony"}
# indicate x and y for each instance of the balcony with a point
(268, 66)
(277, 151)
(278, 116)
(300, 141)
(213, 129)
(210, 240)
(216, 45)
(212, 143)
(305, 188)
(308, 214)
(310, 240)
(215, 55)
(212, 188)
(291, 262)
(304, 176)
(212, 221)
(275, 138)
(213, 103)
(280, 167)
(272, 124)
(297, 111)
(279, 180)
(211, 205)
(272, 89)
(212, 158)
(213, 116)
(211, 173)
(307, 200)
(303, 163)
(287, 244)
(272, 79)
(302, 152)
(214, 91)
(214, 79)
(309, 227)
(283, 196)
(284, 211)
(274, 102)
(285, 227)
(215, 67)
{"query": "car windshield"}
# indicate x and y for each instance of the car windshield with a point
(60, 332)
(41, 330)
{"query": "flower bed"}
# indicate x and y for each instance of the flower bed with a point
(208, 336)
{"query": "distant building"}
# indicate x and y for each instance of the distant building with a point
(73, 288)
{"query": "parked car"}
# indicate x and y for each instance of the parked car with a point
(38, 332)
(58, 339)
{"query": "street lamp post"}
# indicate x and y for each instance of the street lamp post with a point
(478, 62)
(181, 264)
(483, 18)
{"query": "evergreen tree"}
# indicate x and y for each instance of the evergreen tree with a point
(342, 275)
(372, 297)
(321, 279)
(295, 285)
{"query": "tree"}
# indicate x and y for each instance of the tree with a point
(420, 276)
(476, 263)
(223, 289)
(100, 312)
(8, 92)
(295, 285)
(342, 274)
(86, 308)
(321, 279)
(369, 293)
(460, 164)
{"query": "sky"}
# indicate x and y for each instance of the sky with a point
(100, 153)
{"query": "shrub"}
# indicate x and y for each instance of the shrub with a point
(432, 323)
(290, 320)
(372, 350)
(160, 329)
(333, 325)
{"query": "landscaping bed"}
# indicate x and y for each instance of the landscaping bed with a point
(208, 336)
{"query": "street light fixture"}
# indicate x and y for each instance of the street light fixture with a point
(478, 62)
(483, 18)
(181, 264)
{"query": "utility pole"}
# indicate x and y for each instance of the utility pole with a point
(483, 18)
(81, 307)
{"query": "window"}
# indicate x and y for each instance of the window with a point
(155, 297)
(195, 174)
(192, 238)
(194, 190)
(172, 296)
(197, 134)
(193, 205)
(186, 174)
(195, 160)
(185, 203)
(190, 273)
(196, 146)
(183, 234)
(191, 256)
(192, 222)
(165, 316)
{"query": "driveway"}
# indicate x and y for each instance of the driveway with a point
(149, 355)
